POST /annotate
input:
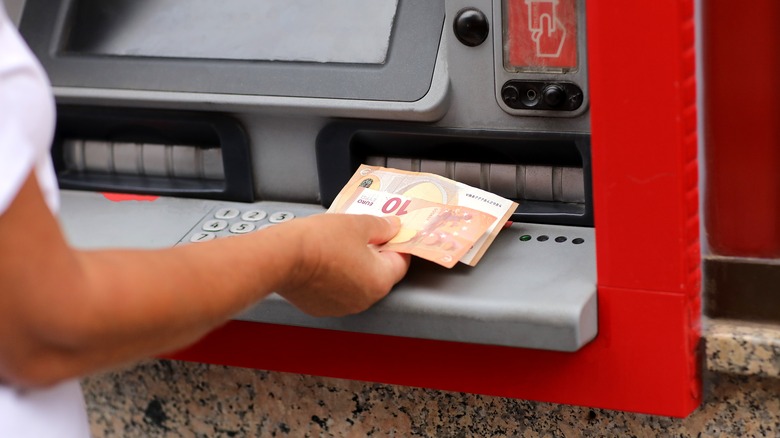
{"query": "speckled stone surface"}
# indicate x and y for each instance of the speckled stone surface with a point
(179, 399)
(175, 399)
(740, 347)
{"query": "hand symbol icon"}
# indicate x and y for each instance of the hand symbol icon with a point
(549, 37)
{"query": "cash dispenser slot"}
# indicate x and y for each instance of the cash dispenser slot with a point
(156, 152)
(547, 174)
(514, 181)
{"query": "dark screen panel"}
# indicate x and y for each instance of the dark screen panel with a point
(341, 31)
(71, 60)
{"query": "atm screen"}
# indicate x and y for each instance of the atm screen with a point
(382, 50)
(540, 35)
(326, 31)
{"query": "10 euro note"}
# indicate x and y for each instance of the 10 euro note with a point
(436, 189)
(437, 232)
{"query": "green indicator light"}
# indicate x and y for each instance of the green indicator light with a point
(525, 238)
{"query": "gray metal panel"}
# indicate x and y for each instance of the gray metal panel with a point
(91, 221)
(473, 80)
(524, 294)
(462, 94)
(521, 294)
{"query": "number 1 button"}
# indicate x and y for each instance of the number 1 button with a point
(226, 213)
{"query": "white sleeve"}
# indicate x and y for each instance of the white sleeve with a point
(27, 115)
(26, 129)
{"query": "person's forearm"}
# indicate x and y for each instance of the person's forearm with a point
(121, 305)
(65, 313)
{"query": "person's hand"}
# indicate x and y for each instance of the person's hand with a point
(340, 271)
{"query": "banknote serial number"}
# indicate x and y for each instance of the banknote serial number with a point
(483, 199)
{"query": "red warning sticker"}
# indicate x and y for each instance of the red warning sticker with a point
(541, 35)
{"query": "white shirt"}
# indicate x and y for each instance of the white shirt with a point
(27, 117)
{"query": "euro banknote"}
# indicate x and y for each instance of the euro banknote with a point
(437, 232)
(432, 188)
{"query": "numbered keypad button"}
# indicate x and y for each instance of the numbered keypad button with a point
(280, 216)
(254, 215)
(242, 228)
(202, 237)
(215, 225)
(226, 213)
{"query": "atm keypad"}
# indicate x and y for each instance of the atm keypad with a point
(233, 221)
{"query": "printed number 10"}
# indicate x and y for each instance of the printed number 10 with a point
(395, 205)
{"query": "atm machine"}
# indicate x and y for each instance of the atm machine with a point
(176, 116)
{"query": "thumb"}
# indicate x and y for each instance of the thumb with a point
(380, 229)
(396, 265)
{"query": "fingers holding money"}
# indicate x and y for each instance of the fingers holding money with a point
(379, 230)
(442, 220)
(342, 270)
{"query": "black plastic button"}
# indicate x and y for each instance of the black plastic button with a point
(471, 27)
(578, 241)
(560, 239)
(553, 95)
(543, 238)
(541, 95)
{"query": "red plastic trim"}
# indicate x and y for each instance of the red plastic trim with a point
(122, 197)
(741, 61)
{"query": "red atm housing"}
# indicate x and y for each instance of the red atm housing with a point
(645, 187)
